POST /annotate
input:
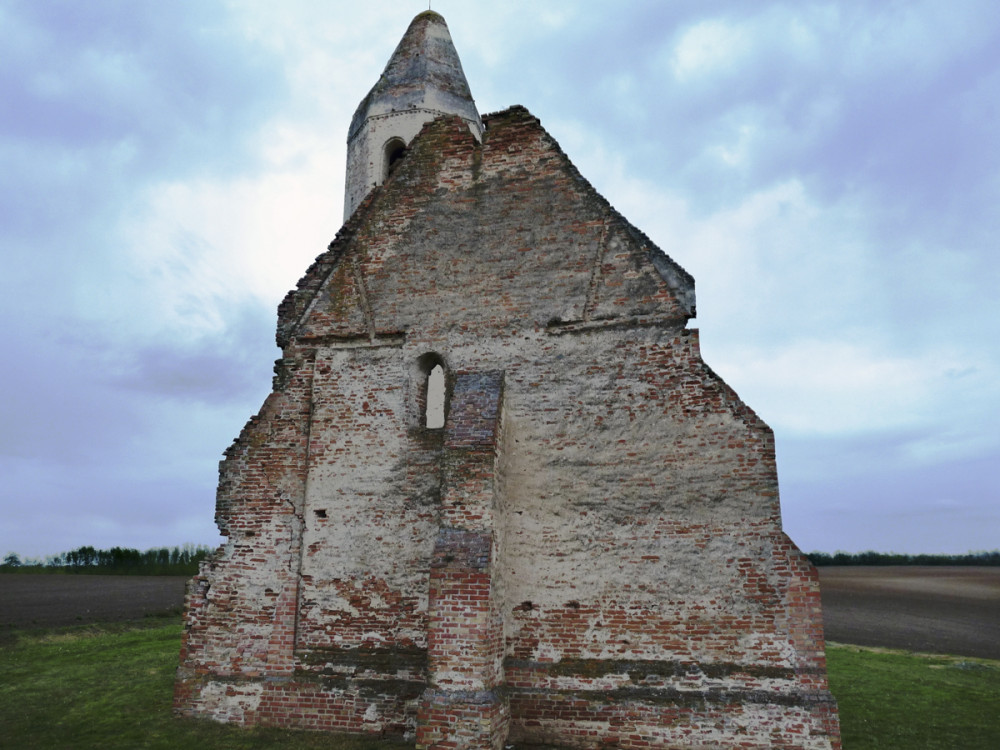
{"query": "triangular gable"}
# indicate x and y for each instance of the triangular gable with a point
(341, 311)
(499, 236)
(338, 309)
(634, 278)
(629, 275)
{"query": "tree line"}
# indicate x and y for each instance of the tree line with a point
(893, 558)
(159, 561)
(184, 560)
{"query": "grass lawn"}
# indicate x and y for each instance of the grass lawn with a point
(111, 687)
(892, 699)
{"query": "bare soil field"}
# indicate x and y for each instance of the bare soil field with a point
(949, 610)
(944, 610)
(28, 601)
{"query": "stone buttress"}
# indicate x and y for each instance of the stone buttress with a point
(464, 702)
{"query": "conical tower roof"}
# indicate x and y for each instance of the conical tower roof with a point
(423, 73)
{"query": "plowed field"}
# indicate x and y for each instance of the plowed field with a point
(54, 600)
(944, 610)
(952, 610)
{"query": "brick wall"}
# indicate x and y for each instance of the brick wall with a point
(589, 552)
(463, 705)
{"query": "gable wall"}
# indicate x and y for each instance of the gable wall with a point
(645, 587)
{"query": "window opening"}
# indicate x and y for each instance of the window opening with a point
(435, 398)
(393, 152)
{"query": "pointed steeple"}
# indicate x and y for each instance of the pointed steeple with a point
(423, 80)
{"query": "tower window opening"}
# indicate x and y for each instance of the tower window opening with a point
(434, 416)
(391, 154)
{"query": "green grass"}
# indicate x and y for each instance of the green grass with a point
(893, 699)
(110, 686)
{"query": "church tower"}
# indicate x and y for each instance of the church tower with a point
(423, 80)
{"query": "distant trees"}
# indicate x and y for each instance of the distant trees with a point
(893, 558)
(117, 560)
(184, 560)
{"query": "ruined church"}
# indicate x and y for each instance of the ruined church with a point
(496, 498)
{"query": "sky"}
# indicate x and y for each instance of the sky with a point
(829, 172)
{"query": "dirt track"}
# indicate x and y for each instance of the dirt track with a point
(951, 610)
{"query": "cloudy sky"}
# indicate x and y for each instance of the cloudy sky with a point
(829, 172)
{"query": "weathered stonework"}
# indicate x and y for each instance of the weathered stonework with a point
(589, 553)
(423, 81)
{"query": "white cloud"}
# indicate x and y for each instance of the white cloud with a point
(709, 47)
(911, 39)
(846, 282)
(735, 154)
(737, 46)
(197, 244)
(824, 387)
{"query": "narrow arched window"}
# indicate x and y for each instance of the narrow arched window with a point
(434, 416)
(430, 378)
(392, 152)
